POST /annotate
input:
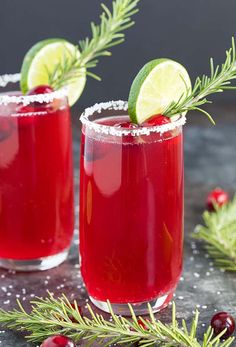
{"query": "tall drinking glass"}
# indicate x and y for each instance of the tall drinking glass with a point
(36, 179)
(131, 209)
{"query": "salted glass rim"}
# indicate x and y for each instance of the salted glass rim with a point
(6, 99)
(121, 105)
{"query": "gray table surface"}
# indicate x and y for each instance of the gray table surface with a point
(210, 160)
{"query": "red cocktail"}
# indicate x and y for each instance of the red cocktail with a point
(36, 182)
(131, 210)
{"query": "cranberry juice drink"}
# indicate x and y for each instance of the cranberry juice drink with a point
(131, 211)
(36, 183)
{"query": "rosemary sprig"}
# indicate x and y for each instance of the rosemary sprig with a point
(219, 80)
(51, 316)
(104, 36)
(219, 233)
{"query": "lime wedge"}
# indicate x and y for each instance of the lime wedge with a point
(41, 60)
(157, 85)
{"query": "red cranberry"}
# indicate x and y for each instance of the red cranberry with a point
(156, 120)
(217, 197)
(58, 341)
(142, 324)
(126, 125)
(42, 89)
(25, 109)
(223, 320)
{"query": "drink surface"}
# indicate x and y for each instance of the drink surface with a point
(131, 214)
(36, 181)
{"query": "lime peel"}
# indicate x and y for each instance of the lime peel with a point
(41, 60)
(159, 83)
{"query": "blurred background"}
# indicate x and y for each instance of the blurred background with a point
(186, 30)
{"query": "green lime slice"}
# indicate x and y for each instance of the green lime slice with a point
(42, 58)
(159, 83)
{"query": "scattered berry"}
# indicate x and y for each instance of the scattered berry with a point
(217, 197)
(156, 120)
(143, 325)
(126, 125)
(223, 320)
(58, 341)
(42, 89)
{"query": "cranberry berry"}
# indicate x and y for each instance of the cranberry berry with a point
(217, 197)
(156, 120)
(42, 89)
(221, 321)
(58, 341)
(126, 125)
(142, 324)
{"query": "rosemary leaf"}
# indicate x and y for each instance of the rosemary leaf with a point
(220, 79)
(219, 235)
(104, 36)
(50, 316)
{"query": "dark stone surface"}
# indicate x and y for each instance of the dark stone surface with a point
(210, 160)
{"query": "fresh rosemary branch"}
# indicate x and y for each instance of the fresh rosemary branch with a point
(104, 36)
(219, 233)
(51, 316)
(219, 80)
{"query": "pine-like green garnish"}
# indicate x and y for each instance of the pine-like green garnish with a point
(219, 234)
(219, 80)
(50, 316)
(104, 36)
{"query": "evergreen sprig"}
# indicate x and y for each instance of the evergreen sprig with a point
(50, 316)
(220, 79)
(219, 234)
(108, 33)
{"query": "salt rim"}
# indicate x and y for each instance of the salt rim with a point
(121, 105)
(27, 99)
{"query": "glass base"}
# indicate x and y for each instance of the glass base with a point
(140, 308)
(39, 264)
